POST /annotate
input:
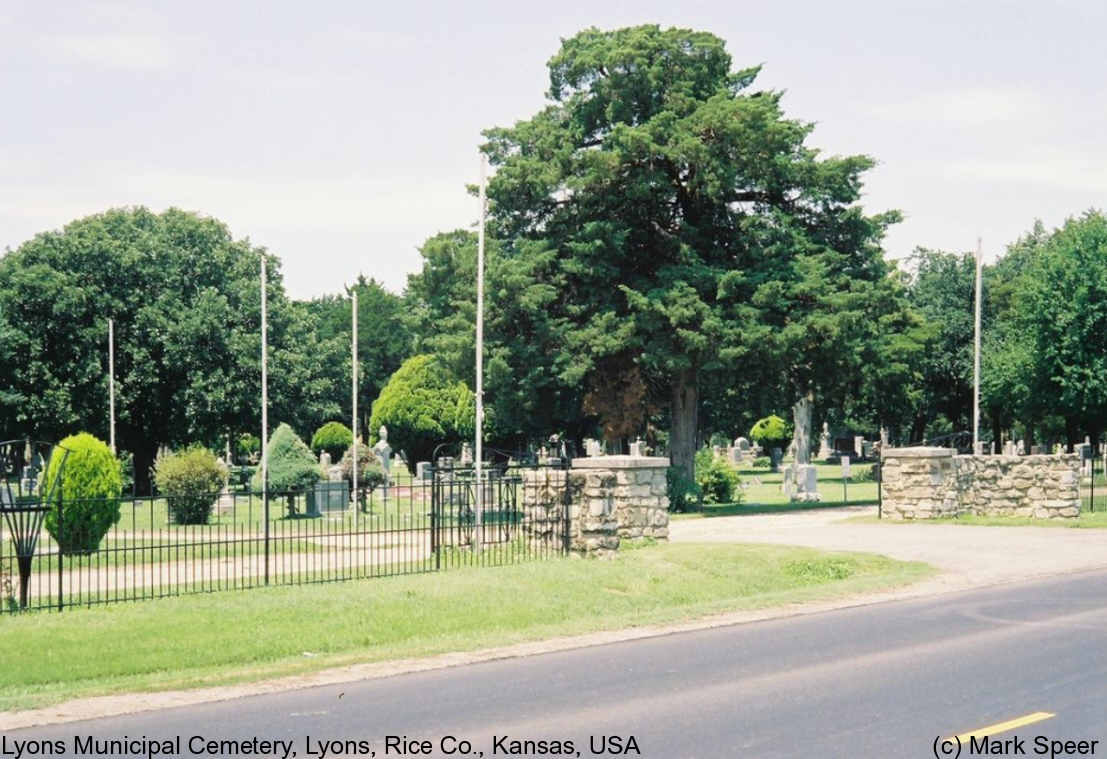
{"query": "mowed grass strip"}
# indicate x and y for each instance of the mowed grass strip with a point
(233, 636)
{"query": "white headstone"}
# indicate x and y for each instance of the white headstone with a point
(638, 448)
(858, 445)
(384, 452)
(742, 444)
(423, 470)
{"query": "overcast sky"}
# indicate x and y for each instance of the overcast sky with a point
(341, 135)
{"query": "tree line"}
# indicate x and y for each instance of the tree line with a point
(667, 257)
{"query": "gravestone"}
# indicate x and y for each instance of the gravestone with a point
(824, 443)
(1035, 450)
(423, 470)
(466, 454)
(866, 449)
(1020, 448)
(742, 444)
(384, 455)
(324, 460)
(858, 446)
(638, 448)
(734, 454)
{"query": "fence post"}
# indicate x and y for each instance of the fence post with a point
(61, 512)
(567, 510)
(435, 505)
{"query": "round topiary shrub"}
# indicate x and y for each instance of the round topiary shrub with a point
(423, 405)
(771, 432)
(332, 437)
(87, 495)
(191, 480)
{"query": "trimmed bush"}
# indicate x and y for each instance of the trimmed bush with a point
(292, 467)
(716, 479)
(762, 462)
(192, 479)
(89, 490)
(247, 448)
(423, 405)
(771, 432)
(370, 473)
(332, 437)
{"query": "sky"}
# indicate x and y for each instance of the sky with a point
(341, 135)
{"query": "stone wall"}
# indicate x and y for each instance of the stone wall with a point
(925, 483)
(611, 498)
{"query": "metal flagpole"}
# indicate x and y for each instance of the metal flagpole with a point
(353, 390)
(111, 383)
(976, 360)
(480, 363)
(265, 414)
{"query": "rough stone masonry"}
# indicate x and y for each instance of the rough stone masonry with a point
(611, 498)
(926, 483)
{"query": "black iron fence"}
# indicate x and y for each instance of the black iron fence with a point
(413, 525)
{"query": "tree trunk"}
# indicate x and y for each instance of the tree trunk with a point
(997, 434)
(801, 427)
(685, 421)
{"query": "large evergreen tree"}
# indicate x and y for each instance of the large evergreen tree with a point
(684, 213)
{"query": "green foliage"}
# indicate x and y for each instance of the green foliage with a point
(88, 493)
(423, 405)
(384, 340)
(292, 467)
(192, 479)
(247, 447)
(370, 474)
(771, 432)
(716, 478)
(186, 303)
(332, 437)
(684, 494)
(689, 230)
(762, 462)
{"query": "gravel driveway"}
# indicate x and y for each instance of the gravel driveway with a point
(969, 556)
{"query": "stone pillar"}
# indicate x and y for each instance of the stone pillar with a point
(919, 483)
(618, 497)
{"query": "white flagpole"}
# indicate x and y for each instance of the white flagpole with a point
(480, 361)
(353, 389)
(265, 413)
(976, 360)
(111, 383)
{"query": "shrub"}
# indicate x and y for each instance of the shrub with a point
(715, 478)
(88, 492)
(332, 437)
(247, 447)
(762, 462)
(292, 467)
(192, 479)
(771, 432)
(423, 405)
(684, 494)
(370, 473)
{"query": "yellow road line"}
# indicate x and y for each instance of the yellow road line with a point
(1003, 727)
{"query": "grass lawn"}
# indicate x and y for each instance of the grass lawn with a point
(232, 637)
(761, 493)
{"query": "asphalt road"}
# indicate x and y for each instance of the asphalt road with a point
(885, 680)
